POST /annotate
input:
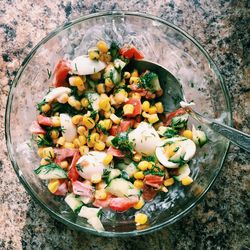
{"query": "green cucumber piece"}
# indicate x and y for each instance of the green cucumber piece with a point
(184, 171)
(180, 121)
(50, 171)
(130, 169)
(167, 132)
(114, 173)
(73, 202)
(119, 64)
(113, 74)
(199, 137)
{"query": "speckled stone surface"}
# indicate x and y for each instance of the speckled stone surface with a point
(222, 219)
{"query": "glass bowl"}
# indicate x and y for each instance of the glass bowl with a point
(161, 42)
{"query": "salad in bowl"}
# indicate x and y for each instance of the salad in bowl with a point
(103, 136)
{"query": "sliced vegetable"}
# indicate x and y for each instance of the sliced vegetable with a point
(62, 189)
(63, 153)
(73, 174)
(112, 73)
(56, 93)
(169, 116)
(68, 128)
(199, 137)
(167, 131)
(153, 180)
(130, 169)
(115, 152)
(183, 172)
(137, 107)
(150, 82)
(73, 202)
(180, 121)
(50, 171)
(122, 204)
(148, 193)
(61, 71)
(44, 120)
(35, 128)
(130, 51)
(102, 203)
(82, 189)
(94, 100)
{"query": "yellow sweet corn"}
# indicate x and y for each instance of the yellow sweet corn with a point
(56, 122)
(145, 115)
(68, 145)
(81, 130)
(76, 119)
(54, 134)
(74, 103)
(128, 109)
(76, 143)
(135, 73)
(94, 137)
(103, 137)
(138, 184)
(63, 98)
(82, 140)
(144, 165)
(145, 106)
(76, 81)
(100, 194)
(94, 54)
(96, 178)
(96, 76)
(141, 219)
(136, 96)
(126, 75)
(84, 150)
(134, 79)
(45, 108)
(186, 181)
(84, 102)
(139, 175)
(188, 134)
(152, 110)
(64, 164)
(153, 118)
(99, 145)
(115, 119)
(109, 83)
(139, 204)
(61, 141)
(102, 46)
(108, 158)
(100, 88)
(109, 139)
(88, 122)
(137, 157)
(48, 152)
(53, 185)
(159, 107)
(107, 124)
(168, 182)
(104, 104)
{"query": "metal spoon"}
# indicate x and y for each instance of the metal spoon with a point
(174, 95)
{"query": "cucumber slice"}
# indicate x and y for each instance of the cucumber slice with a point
(73, 202)
(167, 132)
(184, 171)
(94, 99)
(199, 137)
(180, 121)
(50, 171)
(120, 187)
(130, 169)
(119, 64)
(113, 174)
(113, 74)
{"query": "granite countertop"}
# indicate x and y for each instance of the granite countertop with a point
(221, 220)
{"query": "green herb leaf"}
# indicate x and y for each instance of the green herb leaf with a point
(122, 142)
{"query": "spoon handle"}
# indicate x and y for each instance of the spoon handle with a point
(235, 136)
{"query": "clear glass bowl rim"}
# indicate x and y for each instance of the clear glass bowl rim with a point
(8, 109)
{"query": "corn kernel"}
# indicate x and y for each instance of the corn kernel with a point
(170, 150)
(100, 185)
(186, 181)
(102, 46)
(94, 137)
(152, 110)
(84, 150)
(159, 107)
(100, 88)
(64, 164)
(74, 103)
(109, 83)
(139, 204)
(168, 182)
(145, 106)
(100, 146)
(75, 81)
(61, 141)
(54, 134)
(107, 114)
(144, 165)
(63, 98)
(96, 178)
(56, 122)
(44, 161)
(45, 108)
(108, 158)
(137, 157)
(81, 89)
(103, 137)
(76, 143)
(141, 219)
(139, 175)
(40, 152)
(53, 185)
(164, 189)
(48, 152)
(96, 76)
(135, 73)
(107, 124)
(94, 54)
(104, 104)
(134, 80)
(100, 194)
(138, 184)
(82, 140)
(84, 102)
(153, 118)
(105, 58)
(68, 145)
(188, 134)
(115, 119)
(88, 122)
(126, 75)
(136, 96)
(128, 109)
(120, 97)
(81, 130)
(76, 119)
(145, 115)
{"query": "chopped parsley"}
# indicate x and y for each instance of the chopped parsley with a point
(114, 50)
(40, 104)
(122, 142)
(147, 81)
(49, 73)
(170, 132)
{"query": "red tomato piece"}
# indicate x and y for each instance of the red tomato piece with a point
(35, 128)
(63, 153)
(153, 180)
(61, 71)
(124, 126)
(148, 193)
(62, 189)
(82, 189)
(73, 174)
(114, 130)
(121, 204)
(130, 51)
(102, 203)
(171, 115)
(44, 120)
(115, 152)
(137, 107)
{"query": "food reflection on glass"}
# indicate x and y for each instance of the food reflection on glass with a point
(104, 139)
